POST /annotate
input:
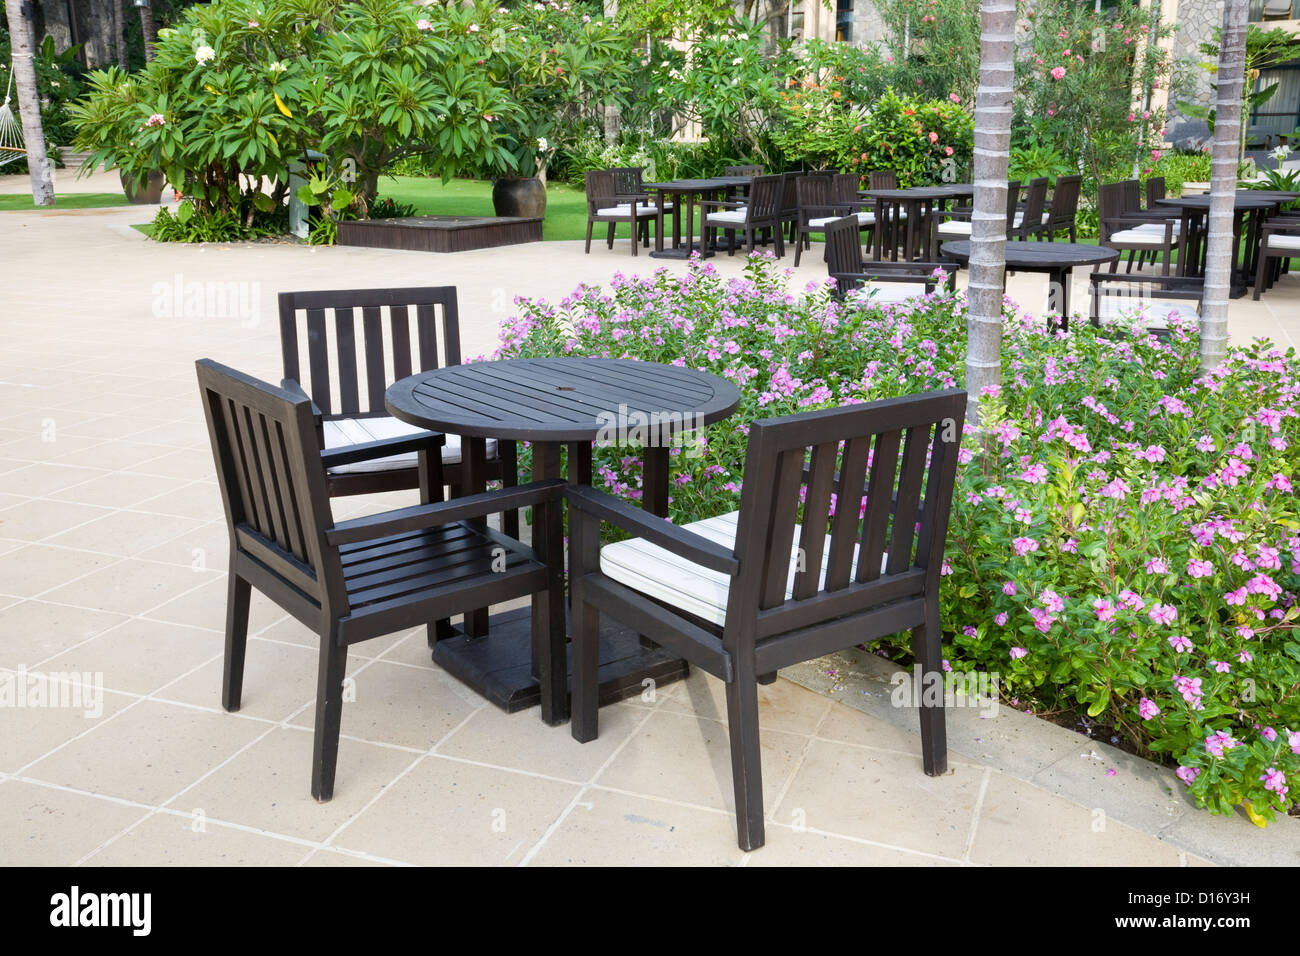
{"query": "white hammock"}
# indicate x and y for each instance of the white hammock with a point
(12, 147)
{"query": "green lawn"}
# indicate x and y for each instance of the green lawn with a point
(22, 202)
(566, 207)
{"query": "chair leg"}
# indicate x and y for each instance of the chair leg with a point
(1129, 267)
(585, 706)
(746, 767)
(1259, 287)
(329, 714)
(798, 246)
(232, 681)
(636, 226)
(928, 650)
(590, 225)
(767, 678)
(609, 238)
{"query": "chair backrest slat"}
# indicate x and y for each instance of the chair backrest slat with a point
(601, 188)
(1034, 203)
(844, 187)
(346, 342)
(883, 179)
(271, 478)
(848, 505)
(765, 195)
(347, 378)
(908, 499)
(880, 490)
(1155, 191)
(817, 503)
(784, 510)
(1065, 199)
(843, 247)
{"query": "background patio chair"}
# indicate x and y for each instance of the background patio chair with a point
(1130, 229)
(817, 206)
(1028, 219)
(761, 212)
(605, 204)
(949, 224)
(630, 181)
(355, 580)
(1279, 242)
(892, 281)
(743, 594)
(1063, 208)
(1156, 298)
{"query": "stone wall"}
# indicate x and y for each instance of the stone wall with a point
(1195, 22)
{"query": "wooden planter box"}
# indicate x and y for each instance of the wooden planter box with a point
(440, 233)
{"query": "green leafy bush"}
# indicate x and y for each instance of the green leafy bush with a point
(1125, 539)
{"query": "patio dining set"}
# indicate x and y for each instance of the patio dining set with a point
(375, 399)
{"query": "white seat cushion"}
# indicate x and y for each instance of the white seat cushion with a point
(623, 210)
(1280, 241)
(954, 228)
(864, 219)
(1156, 228)
(1136, 237)
(682, 584)
(729, 217)
(892, 292)
(667, 206)
(358, 431)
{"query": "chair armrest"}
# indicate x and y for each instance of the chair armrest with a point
(962, 213)
(686, 544)
(350, 454)
(884, 277)
(297, 391)
(726, 203)
(421, 517)
(623, 197)
(1273, 226)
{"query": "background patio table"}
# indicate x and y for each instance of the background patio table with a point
(920, 201)
(687, 190)
(554, 402)
(1056, 259)
(1191, 248)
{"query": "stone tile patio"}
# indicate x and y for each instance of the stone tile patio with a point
(112, 558)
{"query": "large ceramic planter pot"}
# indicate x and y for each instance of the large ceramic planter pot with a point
(148, 194)
(524, 198)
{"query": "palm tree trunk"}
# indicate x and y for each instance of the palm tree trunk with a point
(150, 30)
(1219, 252)
(119, 33)
(989, 221)
(29, 104)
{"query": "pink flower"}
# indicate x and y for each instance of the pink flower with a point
(1058, 72)
(1105, 609)
(1216, 743)
(934, 137)
(954, 97)
(1269, 734)
(1293, 739)
(1275, 780)
(1155, 154)
(1181, 645)
(1221, 667)
(1156, 566)
(1009, 589)
(1187, 775)
(947, 150)
(1000, 619)
(1163, 613)
(1023, 545)
(1052, 601)
(1236, 597)
(1199, 569)
(1035, 474)
(1147, 709)
(1017, 653)
(423, 25)
(1244, 657)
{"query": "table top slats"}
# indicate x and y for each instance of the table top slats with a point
(558, 399)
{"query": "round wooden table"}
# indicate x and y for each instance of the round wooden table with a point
(686, 190)
(1056, 259)
(553, 403)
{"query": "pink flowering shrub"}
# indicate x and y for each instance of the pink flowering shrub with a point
(1124, 538)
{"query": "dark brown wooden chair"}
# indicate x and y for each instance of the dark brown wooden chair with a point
(893, 281)
(1028, 220)
(1154, 298)
(814, 208)
(606, 204)
(956, 223)
(882, 179)
(759, 213)
(1063, 209)
(354, 580)
(744, 594)
(347, 334)
(1279, 243)
(1124, 226)
(752, 169)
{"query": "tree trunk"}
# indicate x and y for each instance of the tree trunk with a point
(989, 221)
(29, 104)
(119, 33)
(1219, 252)
(150, 30)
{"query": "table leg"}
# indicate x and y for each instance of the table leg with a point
(659, 228)
(690, 223)
(548, 532)
(1060, 278)
(474, 466)
(654, 479)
